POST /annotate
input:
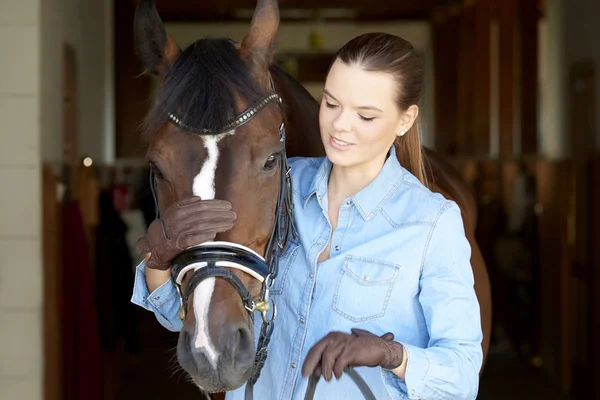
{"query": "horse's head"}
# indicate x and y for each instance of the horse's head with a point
(214, 132)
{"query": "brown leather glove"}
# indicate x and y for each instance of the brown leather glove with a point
(338, 350)
(186, 223)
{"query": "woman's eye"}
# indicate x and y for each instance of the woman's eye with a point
(271, 162)
(365, 118)
(329, 105)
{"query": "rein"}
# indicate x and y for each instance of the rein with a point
(358, 380)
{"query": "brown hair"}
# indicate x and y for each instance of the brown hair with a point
(382, 52)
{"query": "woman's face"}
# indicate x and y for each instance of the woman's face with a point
(359, 117)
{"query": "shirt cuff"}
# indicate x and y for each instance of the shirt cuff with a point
(163, 301)
(395, 386)
(417, 368)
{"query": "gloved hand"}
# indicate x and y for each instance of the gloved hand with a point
(186, 223)
(338, 350)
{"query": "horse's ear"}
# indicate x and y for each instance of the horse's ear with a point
(258, 45)
(157, 49)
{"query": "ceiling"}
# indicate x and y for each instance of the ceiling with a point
(227, 10)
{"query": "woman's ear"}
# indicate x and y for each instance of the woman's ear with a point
(407, 119)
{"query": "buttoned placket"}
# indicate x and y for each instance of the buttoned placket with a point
(320, 243)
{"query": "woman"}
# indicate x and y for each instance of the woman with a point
(380, 278)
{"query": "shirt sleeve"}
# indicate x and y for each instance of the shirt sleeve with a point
(449, 367)
(163, 302)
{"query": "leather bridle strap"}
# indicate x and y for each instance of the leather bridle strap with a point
(212, 271)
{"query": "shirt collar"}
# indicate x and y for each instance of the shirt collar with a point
(319, 183)
(373, 197)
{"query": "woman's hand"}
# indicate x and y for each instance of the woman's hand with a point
(337, 350)
(186, 223)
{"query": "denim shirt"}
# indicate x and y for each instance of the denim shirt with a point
(399, 262)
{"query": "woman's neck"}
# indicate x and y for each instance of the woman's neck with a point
(345, 182)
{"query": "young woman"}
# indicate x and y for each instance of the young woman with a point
(380, 278)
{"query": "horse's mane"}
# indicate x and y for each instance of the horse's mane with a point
(201, 87)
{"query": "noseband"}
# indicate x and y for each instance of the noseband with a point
(216, 259)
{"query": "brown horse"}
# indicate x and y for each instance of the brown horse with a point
(215, 132)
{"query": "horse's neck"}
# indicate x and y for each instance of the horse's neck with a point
(302, 116)
(448, 181)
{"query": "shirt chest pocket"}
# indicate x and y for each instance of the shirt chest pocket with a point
(364, 288)
(285, 262)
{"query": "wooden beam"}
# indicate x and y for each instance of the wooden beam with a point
(527, 45)
(446, 47)
(52, 233)
(594, 257)
(481, 79)
(580, 364)
(463, 83)
(508, 90)
(222, 5)
(219, 10)
(466, 59)
(518, 27)
(132, 91)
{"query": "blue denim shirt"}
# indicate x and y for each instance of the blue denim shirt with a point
(399, 262)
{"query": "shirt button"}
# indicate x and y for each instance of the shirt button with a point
(367, 277)
(311, 276)
(157, 298)
(337, 248)
(320, 244)
(302, 321)
(293, 365)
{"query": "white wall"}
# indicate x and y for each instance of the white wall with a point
(568, 35)
(582, 33)
(295, 37)
(21, 358)
(87, 26)
(553, 134)
(32, 33)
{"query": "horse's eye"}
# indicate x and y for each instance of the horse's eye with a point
(271, 162)
(154, 169)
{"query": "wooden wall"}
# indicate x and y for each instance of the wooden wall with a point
(486, 107)
(486, 72)
(493, 182)
(84, 188)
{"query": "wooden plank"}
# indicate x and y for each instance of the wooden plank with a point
(480, 140)
(527, 46)
(445, 47)
(507, 86)
(553, 182)
(132, 91)
(466, 71)
(594, 257)
(51, 225)
(420, 8)
(582, 91)
(518, 91)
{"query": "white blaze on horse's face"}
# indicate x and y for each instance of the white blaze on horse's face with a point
(204, 187)
(204, 182)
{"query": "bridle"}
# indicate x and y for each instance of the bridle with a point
(212, 259)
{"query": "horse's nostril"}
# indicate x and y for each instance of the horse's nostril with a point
(241, 346)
